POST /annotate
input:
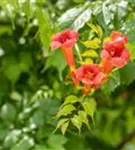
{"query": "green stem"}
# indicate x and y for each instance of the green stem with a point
(78, 52)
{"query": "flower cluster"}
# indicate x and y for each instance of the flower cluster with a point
(114, 53)
(92, 76)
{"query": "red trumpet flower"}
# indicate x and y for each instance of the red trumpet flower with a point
(65, 40)
(89, 75)
(119, 35)
(114, 53)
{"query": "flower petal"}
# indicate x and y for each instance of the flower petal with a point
(107, 65)
(69, 55)
(116, 34)
(98, 79)
(80, 73)
(122, 60)
(69, 43)
(55, 45)
(125, 55)
(105, 54)
(118, 62)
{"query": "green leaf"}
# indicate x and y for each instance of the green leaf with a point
(106, 14)
(66, 110)
(10, 11)
(27, 9)
(45, 28)
(64, 127)
(16, 96)
(94, 44)
(8, 112)
(3, 132)
(100, 31)
(83, 117)
(131, 49)
(41, 147)
(5, 29)
(77, 122)
(127, 74)
(87, 61)
(11, 69)
(122, 8)
(131, 1)
(11, 138)
(90, 107)
(90, 53)
(112, 83)
(76, 17)
(97, 29)
(38, 118)
(70, 99)
(25, 61)
(4, 85)
(41, 133)
(82, 19)
(56, 142)
(61, 122)
(4, 2)
(93, 27)
(57, 61)
(25, 143)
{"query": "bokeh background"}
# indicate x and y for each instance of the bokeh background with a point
(34, 80)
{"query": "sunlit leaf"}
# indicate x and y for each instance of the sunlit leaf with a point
(106, 14)
(94, 44)
(64, 127)
(87, 61)
(83, 117)
(100, 31)
(75, 17)
(106, 39)
(122, 8)
(66, 110)
(27, 9)
(61, 122)
(82, 19)
(93, 27)
(90, 53)
(90, 107)
(16, 96)
(77, 122)
(71, 99)
(131, 49)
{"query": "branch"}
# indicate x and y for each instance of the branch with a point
(126, 139)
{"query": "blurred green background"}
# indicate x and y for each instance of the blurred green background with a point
(33, 81)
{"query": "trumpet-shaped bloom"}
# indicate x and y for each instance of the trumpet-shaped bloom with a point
(114, 53)
(114, 59)
(90, 75)
(65, 40)
(119, 35)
